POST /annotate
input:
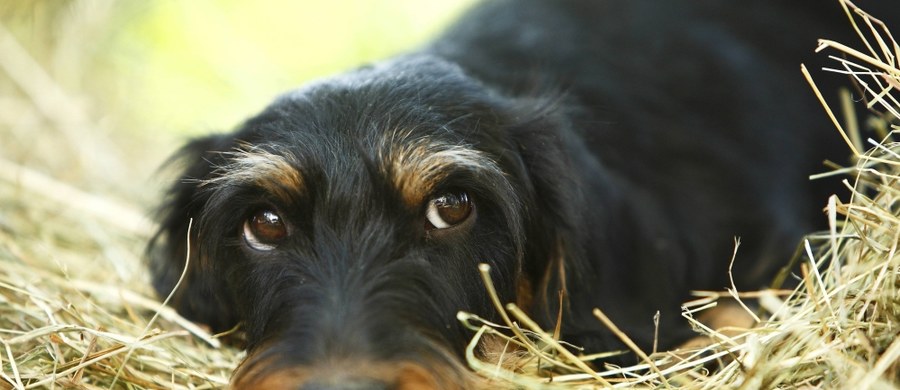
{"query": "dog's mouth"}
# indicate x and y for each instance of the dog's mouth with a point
(379, 353)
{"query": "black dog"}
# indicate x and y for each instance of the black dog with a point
(611, 149)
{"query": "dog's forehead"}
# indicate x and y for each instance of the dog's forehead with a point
(384, 124)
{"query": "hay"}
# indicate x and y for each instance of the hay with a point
(837, 329)
(76, 310)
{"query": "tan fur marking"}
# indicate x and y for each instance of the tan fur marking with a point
(497, 351)
(274, 172)
(402, 375)
(728, 318)
(417, 166)
(524, 293)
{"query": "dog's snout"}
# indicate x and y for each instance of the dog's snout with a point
(347, 384)
(341, 381)
(364, 375)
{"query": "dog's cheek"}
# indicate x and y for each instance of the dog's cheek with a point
(493, 246)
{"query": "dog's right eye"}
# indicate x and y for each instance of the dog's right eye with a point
(448, 210)
(264, 230)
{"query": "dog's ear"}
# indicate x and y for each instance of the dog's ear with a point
(553, 201)
(568, 213)
(201, 295)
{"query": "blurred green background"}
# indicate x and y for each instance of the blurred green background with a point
(97, 93)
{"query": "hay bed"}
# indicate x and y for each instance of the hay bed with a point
(76, 310)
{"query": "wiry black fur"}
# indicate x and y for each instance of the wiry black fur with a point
(636, 139)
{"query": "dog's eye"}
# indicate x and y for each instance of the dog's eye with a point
(264, 230)
(448, 210)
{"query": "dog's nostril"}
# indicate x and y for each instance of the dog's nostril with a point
(346, 384)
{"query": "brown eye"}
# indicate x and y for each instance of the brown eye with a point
(264, 230)
(448, 210)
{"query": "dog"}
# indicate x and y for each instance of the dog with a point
(608, 150)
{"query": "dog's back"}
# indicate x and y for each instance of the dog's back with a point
(692, 115)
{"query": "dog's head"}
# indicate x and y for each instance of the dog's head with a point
(343, 226)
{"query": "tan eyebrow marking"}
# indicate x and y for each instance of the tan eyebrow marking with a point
(417, 166)
(247, 164)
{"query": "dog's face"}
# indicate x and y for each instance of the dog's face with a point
(343, 226)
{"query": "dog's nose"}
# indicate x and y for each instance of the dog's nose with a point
(348, 384)
(345, 376)
(337, 382)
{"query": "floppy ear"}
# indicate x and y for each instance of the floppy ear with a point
(201, 296)
(581, 227)
(553, 201)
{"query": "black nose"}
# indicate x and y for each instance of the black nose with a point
(346, 384)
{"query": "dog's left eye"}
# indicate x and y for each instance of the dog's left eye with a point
(448, 210)
(264, 230)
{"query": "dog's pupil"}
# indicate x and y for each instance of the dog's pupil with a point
(267, 226)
